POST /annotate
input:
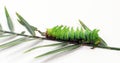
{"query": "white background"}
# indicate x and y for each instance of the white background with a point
(100, 14)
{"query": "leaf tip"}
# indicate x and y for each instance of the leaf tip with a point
(17, 13)
(5, 7)
(25, 52)
(80, 21)
(38, 56)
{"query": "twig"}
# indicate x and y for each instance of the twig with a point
(19, 34)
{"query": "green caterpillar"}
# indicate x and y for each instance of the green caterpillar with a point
(78, 36)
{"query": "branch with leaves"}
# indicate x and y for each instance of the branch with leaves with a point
(67, 45)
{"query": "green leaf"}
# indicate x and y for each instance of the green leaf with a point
(102, 43)
(0, 27)
(1, 30)
(14, 42)
(4, 35)
(56, 44)
(9, 21)
(23, 32)
(34, 28)
(22, 21)
(63, 49)
(83, 25)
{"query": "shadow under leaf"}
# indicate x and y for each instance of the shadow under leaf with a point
(61, 54)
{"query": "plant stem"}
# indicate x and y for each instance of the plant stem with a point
(20, 34)
(108, 47)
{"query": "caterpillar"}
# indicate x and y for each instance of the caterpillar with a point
(78, 36)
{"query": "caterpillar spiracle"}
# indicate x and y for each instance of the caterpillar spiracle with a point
(78, 36)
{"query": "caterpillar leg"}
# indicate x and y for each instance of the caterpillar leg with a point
(95, 44)
(93, 47)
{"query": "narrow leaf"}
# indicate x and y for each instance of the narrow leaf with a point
(23, 32)
(9, 21)
(56, 44)
(67, 48)
(34, 28)
(83, 25)
(22, 21)
(1, 30)
(102, 43)
(4, 35)
(14, 42)
(0, 27)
